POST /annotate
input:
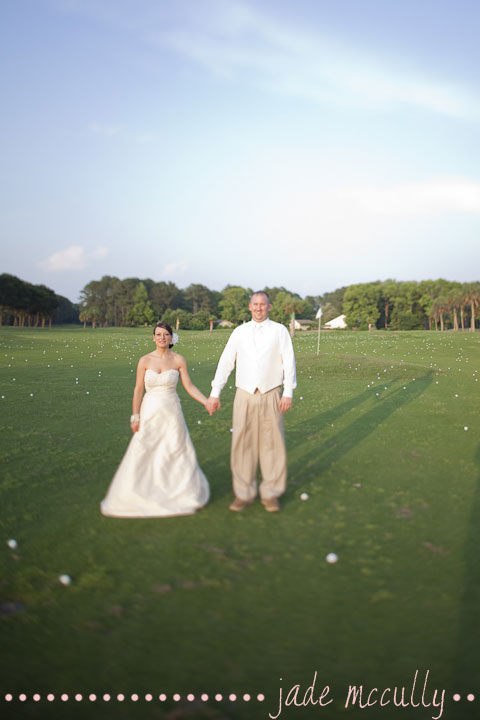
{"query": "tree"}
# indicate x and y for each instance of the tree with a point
(141, 313)
(66, 312)
(440, 308)
(22, 301)
(164, 295)
(234, 304)
(178, 318)
(12, 290)
(335, 298)
(428, 292)
(123, 297)
(272, 292)
(389, 293)
(472, 296)
(84, 317)
(216, 296)
(360, 305)
(92, 303)
(407, 313)
(43, 304)
(199, 296)
(201, 320)
(311, 307)
(285, 306)
(329, 312)
(455, 301)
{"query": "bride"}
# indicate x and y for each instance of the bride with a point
(159, 475)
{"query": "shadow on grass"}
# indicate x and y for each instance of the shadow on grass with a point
(466, 670)
(321, 457)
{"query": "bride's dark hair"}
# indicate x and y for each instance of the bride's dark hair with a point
(166, 327)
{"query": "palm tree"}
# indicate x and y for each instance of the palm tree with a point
(454, 300)
(440, 308)
(472, 296)
(461, 305)
(84, 317)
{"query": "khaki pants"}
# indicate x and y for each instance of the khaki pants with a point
(258, 436)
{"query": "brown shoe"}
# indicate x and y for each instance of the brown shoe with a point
(238, 505)
(271, 504)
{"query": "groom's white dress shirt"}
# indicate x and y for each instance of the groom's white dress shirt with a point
(263, 353)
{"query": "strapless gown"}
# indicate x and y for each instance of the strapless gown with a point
(159, 475)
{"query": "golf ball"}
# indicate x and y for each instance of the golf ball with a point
(331, 558)
(65, 579)
(465, 427)
(12, 544)
(304, 496)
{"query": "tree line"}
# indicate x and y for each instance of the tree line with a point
(110, 301)
(24, 304)
(406, 305)
(428, 304)
(114, 302)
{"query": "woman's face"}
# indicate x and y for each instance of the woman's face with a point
(162, 338)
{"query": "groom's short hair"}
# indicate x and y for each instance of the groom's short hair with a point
(261, 292)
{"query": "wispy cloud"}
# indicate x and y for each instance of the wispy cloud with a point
(340, 224)
(146, 138)
(72, 258)
(104, 130)
(113, 131)
(99, 253)
(428, 198)
(175, 269)
(240, 41)
(235, 40)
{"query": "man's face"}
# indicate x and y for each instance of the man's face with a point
(259, 307)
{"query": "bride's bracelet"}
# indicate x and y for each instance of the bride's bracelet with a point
(134, 418)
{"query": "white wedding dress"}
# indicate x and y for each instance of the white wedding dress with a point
(159, 475)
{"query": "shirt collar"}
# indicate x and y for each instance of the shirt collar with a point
(262, 324)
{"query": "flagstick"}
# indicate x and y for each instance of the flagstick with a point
(319, 316)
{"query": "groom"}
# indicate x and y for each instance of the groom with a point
(263, 353)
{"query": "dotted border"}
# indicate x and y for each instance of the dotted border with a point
(134, 697)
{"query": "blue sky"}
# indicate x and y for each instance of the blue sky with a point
(304, 143)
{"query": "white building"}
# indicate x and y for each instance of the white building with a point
(337, 323)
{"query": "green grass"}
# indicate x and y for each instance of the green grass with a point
(222, 602)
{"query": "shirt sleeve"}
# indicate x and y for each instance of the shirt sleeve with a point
(225, 366)
(288, 361)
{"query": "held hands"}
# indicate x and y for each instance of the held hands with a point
(212, 405)
(285, 404)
